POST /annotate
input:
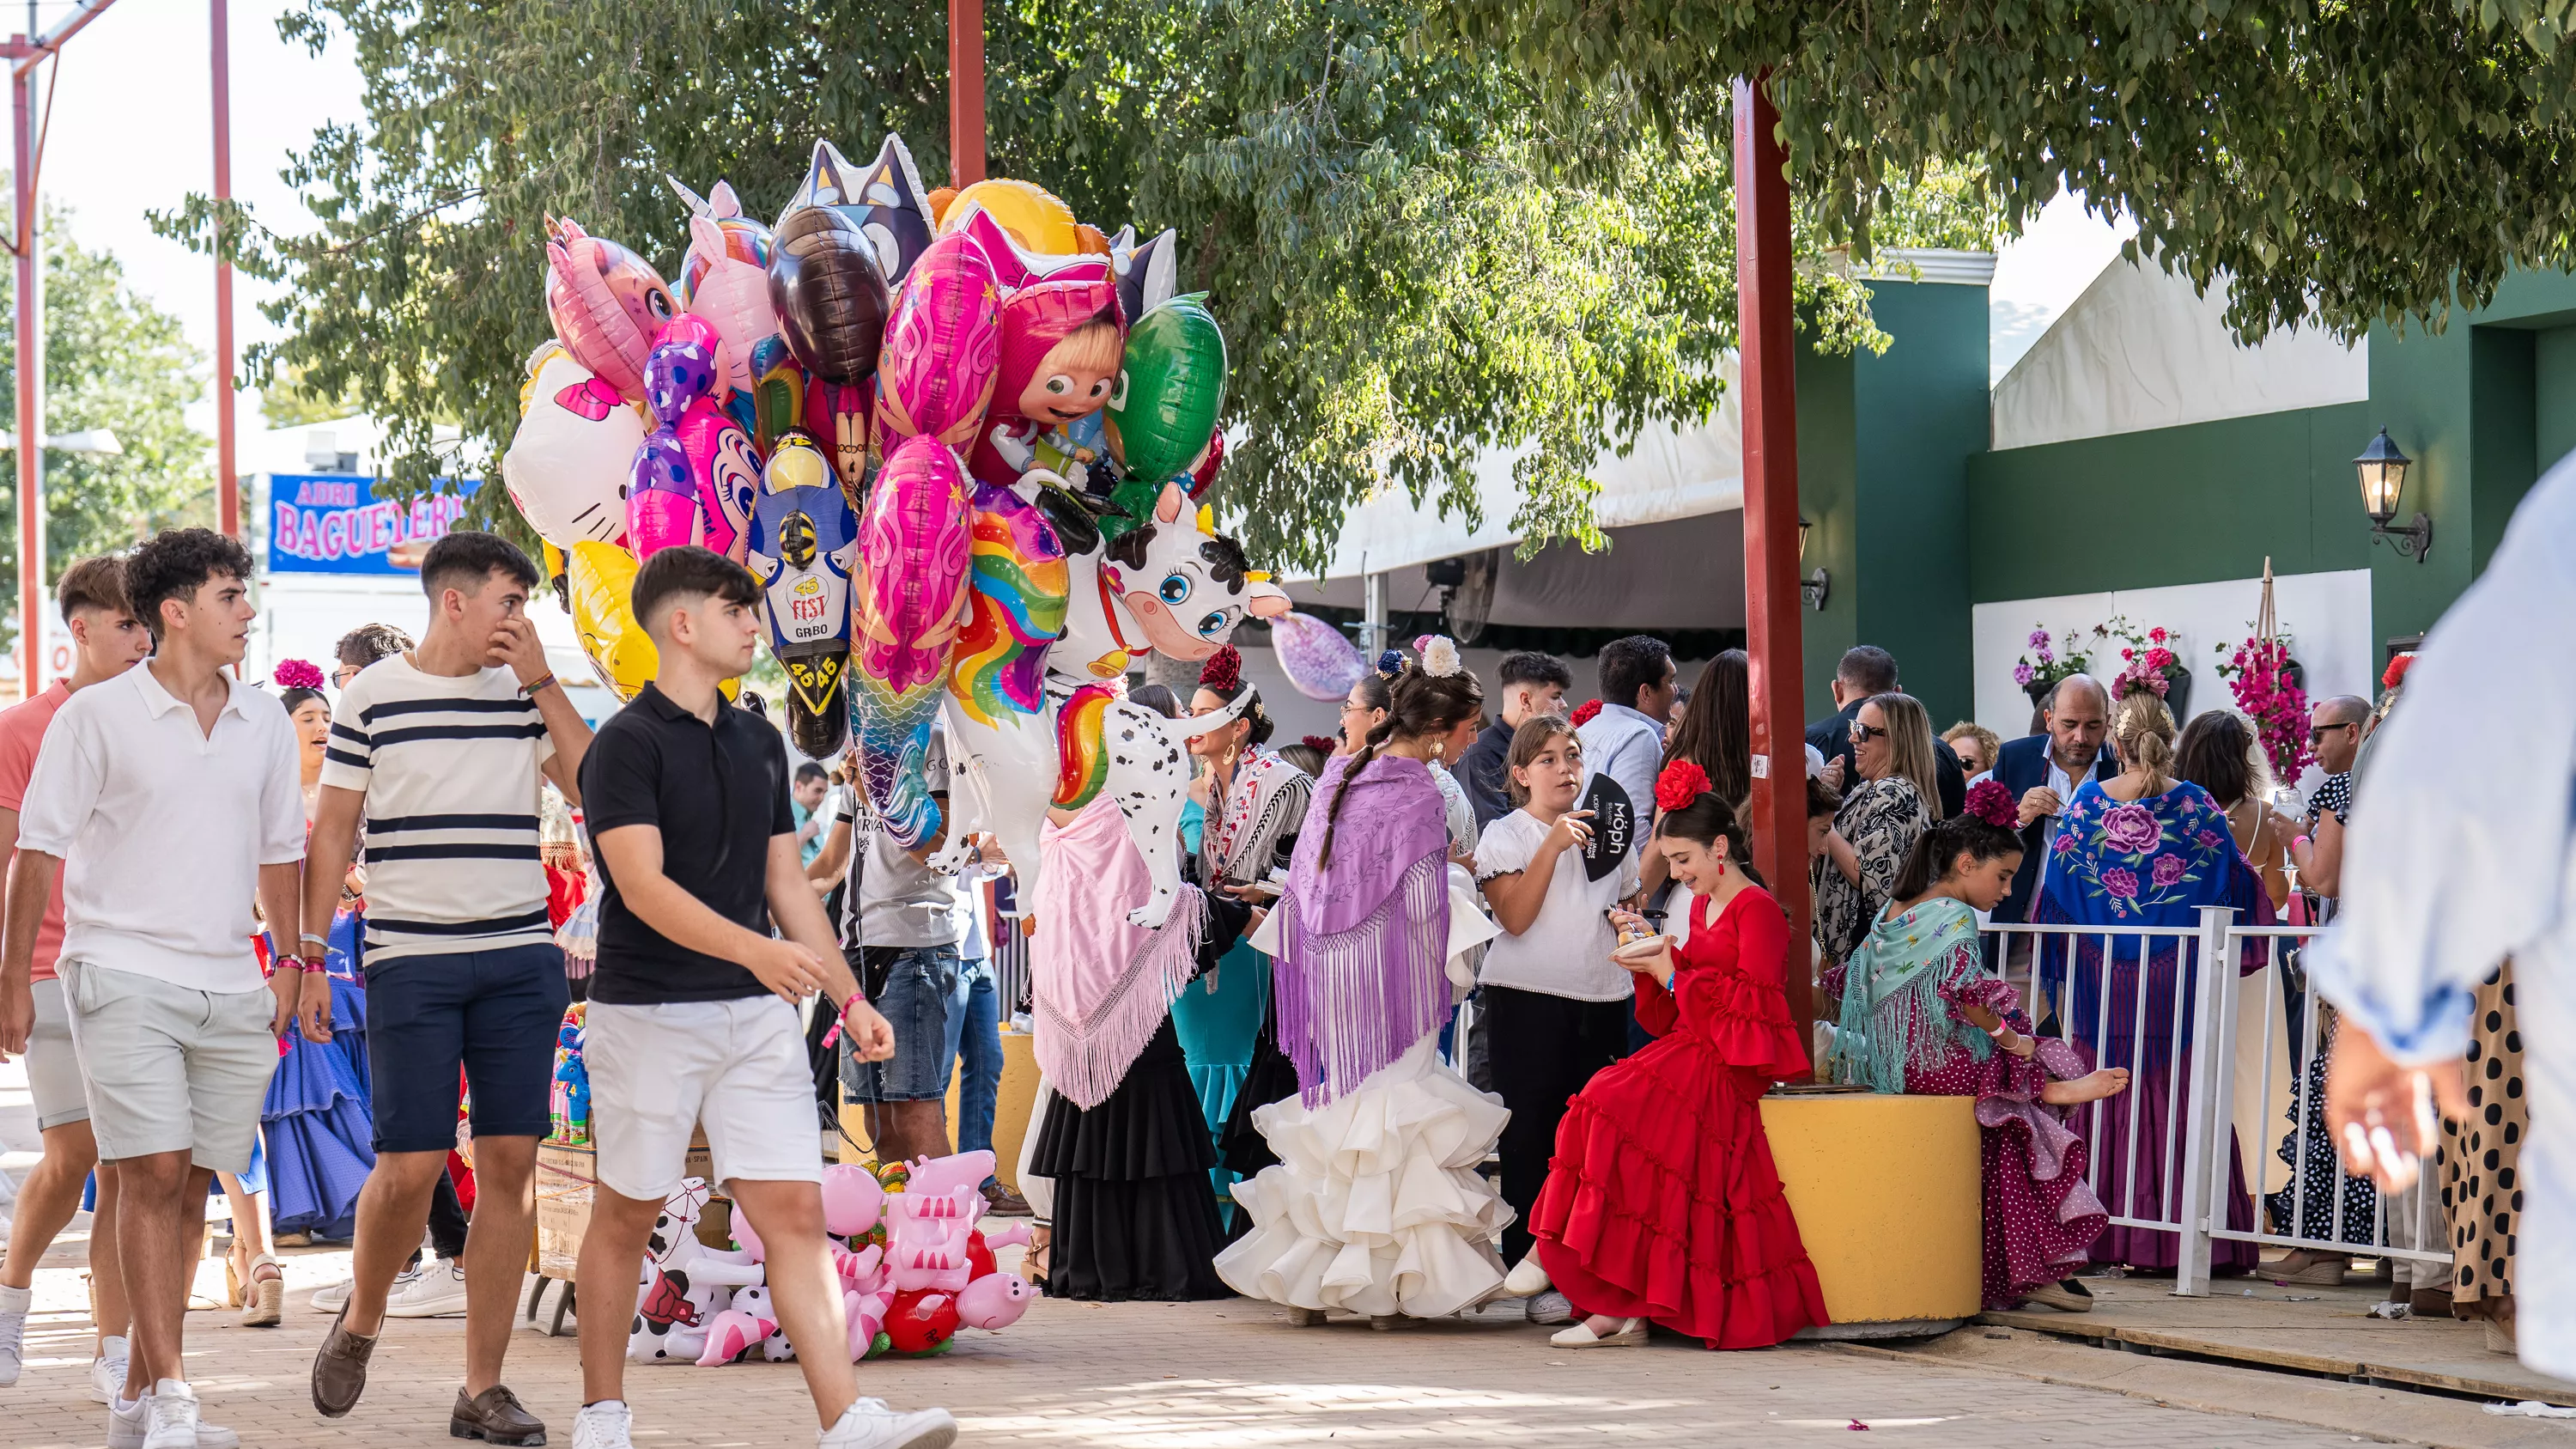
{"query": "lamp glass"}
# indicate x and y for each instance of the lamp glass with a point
(2382, 469)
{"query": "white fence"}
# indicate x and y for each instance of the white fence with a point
(2219, 1077)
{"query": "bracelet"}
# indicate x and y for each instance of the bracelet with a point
(2298, 840)
(313, 964)
(322, 941)
(536, 686)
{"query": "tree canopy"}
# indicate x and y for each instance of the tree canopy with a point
(112, 360)
(2338, 162)
(1418, 252)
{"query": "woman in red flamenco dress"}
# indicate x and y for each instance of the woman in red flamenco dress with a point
(1662, 1204)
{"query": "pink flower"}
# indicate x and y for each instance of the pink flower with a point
(2039, 638)
(2131, 829)
(2208, 839)
(2166, 870)
(2120, 885)
(2023, 674)
(2065, 845)
(2157, 634)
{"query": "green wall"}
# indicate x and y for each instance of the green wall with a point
(1883, 447)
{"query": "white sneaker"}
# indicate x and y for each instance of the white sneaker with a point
(437, 1290)
(129, 1426)
(602, 1425)
(332, 1298)
(170, 1416)
(107, 1372)
(870, 1424)
(13, 1332)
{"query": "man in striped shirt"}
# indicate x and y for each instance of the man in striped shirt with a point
(442, 748)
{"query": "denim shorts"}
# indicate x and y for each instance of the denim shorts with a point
(920, 990)
(493, 1013)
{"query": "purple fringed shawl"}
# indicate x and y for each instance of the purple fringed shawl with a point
(1362, 942)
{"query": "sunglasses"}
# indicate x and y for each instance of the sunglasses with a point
(2321, 731)
(1861, 733)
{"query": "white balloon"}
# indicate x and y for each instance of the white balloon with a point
(568, 463)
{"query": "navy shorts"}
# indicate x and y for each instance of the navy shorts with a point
(920, 989)
(492, 1013)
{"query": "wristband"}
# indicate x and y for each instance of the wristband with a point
(537, 686)
(312, 964)
(2298, 840)
(857, 999)
(322, 941)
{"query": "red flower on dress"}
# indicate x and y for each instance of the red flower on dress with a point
(1584, 712)
(1223, 670)
(1679, 784)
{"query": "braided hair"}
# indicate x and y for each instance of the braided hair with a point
(1419, 705)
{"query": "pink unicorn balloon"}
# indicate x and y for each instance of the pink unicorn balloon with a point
(943, 346)
(607, 303)
(731, 293)
(695, 477)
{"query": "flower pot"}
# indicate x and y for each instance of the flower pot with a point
(2178, 695)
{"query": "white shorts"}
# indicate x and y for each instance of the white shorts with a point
(53, 1064)
(171, 1068)
(738, 1067)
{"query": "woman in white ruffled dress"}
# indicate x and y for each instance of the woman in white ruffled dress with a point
(1376, 1207)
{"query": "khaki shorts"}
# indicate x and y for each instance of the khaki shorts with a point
(170, 1068)
(53, 1066)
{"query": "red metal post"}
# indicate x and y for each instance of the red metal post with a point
(29, 338)
(1766, 389)
(965, 92)
(227, 483)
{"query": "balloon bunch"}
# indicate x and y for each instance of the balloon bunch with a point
(959, 437)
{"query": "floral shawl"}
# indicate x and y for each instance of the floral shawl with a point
(1882, 819)
(2152, 862)
(1892, 1007)
(1263, 808)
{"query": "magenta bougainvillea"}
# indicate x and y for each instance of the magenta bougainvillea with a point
(2258, 673)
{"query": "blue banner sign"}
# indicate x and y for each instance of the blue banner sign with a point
(332, 523)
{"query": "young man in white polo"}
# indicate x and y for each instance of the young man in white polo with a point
(107, 640)
(693, 1005)
(444, 749)
(173, 791)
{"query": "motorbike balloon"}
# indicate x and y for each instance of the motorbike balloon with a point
(803, 544)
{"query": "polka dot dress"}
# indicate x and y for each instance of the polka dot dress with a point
(2482, 1182)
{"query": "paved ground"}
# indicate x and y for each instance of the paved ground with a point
(1151, 1377)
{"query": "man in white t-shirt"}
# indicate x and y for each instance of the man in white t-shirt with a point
(172, 792)
(445, 750)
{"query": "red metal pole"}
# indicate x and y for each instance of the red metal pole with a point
(1767, 389)
(965, 92)
(31, 502)
(227, 485)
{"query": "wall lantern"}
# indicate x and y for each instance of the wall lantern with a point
(1814, 586)
(2383, 479)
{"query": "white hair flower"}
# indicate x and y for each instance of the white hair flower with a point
(1439, 656)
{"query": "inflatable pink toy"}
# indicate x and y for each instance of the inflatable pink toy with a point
(733, 294)
(994, 1301)
(935, 376)
(852, 1200)
(913, 561)
(606, 303)
(695, 477)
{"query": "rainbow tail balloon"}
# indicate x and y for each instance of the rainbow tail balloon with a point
(1016, 608)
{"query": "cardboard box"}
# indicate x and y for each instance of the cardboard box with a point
(566, 1175)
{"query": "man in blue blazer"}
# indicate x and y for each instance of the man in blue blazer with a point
(2043, 770)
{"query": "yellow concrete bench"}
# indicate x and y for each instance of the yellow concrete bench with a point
(1889, 1201)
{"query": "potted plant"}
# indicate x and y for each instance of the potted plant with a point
(2148, 661)
(2039, 671)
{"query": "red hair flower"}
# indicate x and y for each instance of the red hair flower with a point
(1223, 670)
(1679, 784)
(1321, 744)
(1992, 803)
(2395, 674)
(297, 674)
(1584, 712)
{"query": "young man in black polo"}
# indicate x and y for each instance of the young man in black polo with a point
(693, 1006)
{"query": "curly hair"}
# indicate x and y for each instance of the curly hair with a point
(1419, 705)
(368, 643)
(174, 564)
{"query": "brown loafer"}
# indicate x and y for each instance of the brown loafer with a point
(340, 1368)
(494, 1416)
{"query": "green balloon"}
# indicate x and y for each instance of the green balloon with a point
(1170, 390)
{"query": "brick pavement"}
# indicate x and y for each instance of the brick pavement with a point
(1145, 1376)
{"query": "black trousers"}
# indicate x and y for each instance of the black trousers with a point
(1543, 1049)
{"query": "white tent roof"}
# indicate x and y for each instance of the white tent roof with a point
(2140, 350)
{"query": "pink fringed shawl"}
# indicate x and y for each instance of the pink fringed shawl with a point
(1362, 941)
(1101, 986)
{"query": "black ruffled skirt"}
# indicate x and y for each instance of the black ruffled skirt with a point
(1271, 1078)
(1135, 1217)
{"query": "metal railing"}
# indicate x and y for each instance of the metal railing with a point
(2216, 1058)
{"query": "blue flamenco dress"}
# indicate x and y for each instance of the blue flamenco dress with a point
(2152, 862)
(319, 1129)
